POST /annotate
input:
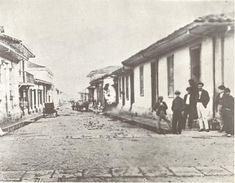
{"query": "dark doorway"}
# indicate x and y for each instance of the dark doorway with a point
(123, 91)
(132, 87)
(153, 83)
(195, 57)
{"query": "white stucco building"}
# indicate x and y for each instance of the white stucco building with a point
(12, 53)
(202, 50)
(42, 90)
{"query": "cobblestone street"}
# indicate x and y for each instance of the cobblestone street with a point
(83, 146)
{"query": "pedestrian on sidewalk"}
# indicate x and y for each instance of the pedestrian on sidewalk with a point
(218, 107)
(202, 101)
(160, 109)
(193, 102)
(177, 108)
(228, 112)
(188, 109)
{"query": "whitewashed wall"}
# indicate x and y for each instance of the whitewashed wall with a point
(182, 72)
(142, 103)
(162, 79)
(9, 82)
(207, 70)
(229, 62)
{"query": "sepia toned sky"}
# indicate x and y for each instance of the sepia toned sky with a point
(73, 37)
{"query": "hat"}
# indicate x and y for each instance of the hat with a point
(221, 87)
(227, 90)
(177, 92)
(160, 97)
(201, 83)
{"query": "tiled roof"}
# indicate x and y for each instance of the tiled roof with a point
(17, 45)
(221, 19)
(103, 71)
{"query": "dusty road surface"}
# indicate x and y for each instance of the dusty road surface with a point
(83, 146)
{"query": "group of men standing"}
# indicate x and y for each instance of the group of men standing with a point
(194, 107)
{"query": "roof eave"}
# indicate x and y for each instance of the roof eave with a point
(144, 55)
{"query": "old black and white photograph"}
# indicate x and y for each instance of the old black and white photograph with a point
(117, 91)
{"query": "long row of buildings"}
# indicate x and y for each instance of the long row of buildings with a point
(202, 50)
(24, 85)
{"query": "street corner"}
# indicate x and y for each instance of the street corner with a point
(158, 171)
(97, 172)
(127, 172)
(185, 171)
(39, 176)
(11, 176)
(214, 171)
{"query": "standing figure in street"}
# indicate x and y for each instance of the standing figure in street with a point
(202, 101)
(218, 107)
(193, 87)
(228, 112)
(177, 108)
(189, 106)
(160, 109)
(193, 102)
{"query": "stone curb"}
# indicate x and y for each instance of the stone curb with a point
(135, 122)
(20, 124)
(102, 173)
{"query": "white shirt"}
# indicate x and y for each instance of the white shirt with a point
(200, 93)
(221, 94)
(187, 99)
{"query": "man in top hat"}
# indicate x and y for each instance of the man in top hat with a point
(177, 108)
(228, 112)
(202, 101)
(218, 106)
(188, 108)
(193, 102)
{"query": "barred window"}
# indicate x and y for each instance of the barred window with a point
(170, 75)
(120, 87)
(127, 87)
(141, 80)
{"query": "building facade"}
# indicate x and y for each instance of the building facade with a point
(12, 53)
(102, 91)
(43, 89)
(201, 50)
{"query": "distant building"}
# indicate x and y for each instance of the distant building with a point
(102, 91)
(59, 97)
(42, 90)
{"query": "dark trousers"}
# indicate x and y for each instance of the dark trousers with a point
(188, 115)
(177, 122)
(228, 118)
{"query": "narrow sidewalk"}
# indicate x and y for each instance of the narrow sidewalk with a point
(144, 122)
(152, 124)
(10, 126)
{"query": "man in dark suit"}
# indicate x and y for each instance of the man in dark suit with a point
(177, 108)
(193, 101)
(188, 107)
(228, 112)
(202, 101)
(218, 107)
